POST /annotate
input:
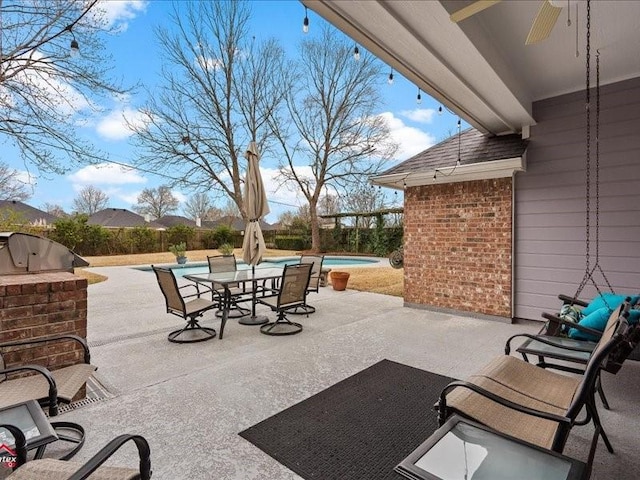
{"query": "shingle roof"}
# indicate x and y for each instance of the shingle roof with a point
(31, 214)
(172, 220)
(120, 218)
(474, 147)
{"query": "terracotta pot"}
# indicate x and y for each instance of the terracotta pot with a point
(339, 280)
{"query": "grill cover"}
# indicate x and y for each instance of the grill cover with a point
(26, 253)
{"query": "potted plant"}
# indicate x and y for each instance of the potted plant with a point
(179, 250)
(339, 280)
(226, 249)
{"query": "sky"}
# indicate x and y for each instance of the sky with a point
(415, 127)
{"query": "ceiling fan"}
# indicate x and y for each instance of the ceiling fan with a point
(540, 29)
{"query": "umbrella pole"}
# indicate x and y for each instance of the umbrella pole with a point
(253, 319)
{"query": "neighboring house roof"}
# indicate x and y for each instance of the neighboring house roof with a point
(31, 214)
(173, 220)
(480, 156)
(121, 218)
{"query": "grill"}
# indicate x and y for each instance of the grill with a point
(26, 253)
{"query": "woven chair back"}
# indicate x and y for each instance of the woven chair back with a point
(222, 263)
(316, 262)
(293, 288)
(169, 288)
(615, 335)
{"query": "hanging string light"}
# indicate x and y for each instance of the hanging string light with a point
(356, 53)
(419, 97)
(390, 79)
(305, 22)
(440, 110)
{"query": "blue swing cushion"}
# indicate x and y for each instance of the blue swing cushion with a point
(597, 313)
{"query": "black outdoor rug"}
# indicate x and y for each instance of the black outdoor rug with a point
(635, 355)
(357, 429)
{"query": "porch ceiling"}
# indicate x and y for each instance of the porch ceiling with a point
(480, 68)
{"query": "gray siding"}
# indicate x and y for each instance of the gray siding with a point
(549, 229)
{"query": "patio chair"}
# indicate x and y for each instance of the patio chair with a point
(570, 350)
(314, 282)
(51, 469)
(227, 263)
(292, 293)
(533, 404)
(48, 387)
(179, 305)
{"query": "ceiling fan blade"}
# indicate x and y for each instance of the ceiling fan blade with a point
(472, 9)
(543, 23)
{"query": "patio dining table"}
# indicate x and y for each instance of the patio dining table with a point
(229, 279)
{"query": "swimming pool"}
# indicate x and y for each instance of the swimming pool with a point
(329, 261)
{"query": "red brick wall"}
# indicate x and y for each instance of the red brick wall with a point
(457, 246)
(39, 305)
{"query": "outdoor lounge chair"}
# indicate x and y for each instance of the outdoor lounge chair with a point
(568, 350)
(533, 404)
(190, 310)
(227, 263)
(292, 293)
(51, 469)
(49, 388)
(314, 282)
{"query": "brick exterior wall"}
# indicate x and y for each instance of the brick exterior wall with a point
(39, 305)
(458, 246)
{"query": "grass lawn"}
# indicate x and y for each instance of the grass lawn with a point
(385, 280)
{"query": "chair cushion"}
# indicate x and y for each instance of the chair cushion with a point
(68, 380)
(51, 469)
(596, 320)
(609, 300)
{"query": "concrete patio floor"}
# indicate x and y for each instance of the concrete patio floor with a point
(190, 401)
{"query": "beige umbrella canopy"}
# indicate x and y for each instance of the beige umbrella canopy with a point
(255, 201)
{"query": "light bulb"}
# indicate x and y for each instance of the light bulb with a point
(305, 22)
(75, 48)
(356, 53)
(390, 80)
(419, 98)
(440, 110)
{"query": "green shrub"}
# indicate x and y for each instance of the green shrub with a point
(292, 242)
(222, 234)
(180, 233)
(143, 240)
(76, 234)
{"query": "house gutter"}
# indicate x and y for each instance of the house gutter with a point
(453, 174)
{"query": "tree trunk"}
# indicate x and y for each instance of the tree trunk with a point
(315, 229)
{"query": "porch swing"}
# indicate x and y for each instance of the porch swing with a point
(573, 309)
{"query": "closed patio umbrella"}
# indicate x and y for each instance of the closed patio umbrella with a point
(255, 201)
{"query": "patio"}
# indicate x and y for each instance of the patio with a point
(190, 401)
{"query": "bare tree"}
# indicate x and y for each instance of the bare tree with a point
(329, 124)
(156, 202)
(54, 209)
(218, 91)
(90, 200)
(364, 199)
(197, 206)
(214, 213)
(45, 90)
(11, 187)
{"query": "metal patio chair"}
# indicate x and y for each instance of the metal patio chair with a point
(533, 404)
(94, 469)
(180, 305)
(314, 282)
(292, 293)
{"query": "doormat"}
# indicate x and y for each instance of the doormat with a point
(357, 429)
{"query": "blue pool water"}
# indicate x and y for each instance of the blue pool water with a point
(201, 267)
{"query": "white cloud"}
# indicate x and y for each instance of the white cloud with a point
(113, 126)
(106, 174)
(117, 13)
(27, 178)
(411, 140)
(420, 115)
